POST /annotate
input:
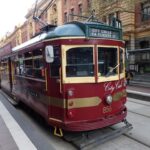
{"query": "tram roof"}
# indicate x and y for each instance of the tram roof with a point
(86, 29)
(76, 29)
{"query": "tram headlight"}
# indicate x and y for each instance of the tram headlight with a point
(109, 99)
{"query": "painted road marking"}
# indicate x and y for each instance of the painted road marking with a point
(19, 136)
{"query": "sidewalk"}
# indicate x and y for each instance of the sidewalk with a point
(12, 137)
(138, 92)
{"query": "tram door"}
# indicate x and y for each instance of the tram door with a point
(12, 76)
(55, 84)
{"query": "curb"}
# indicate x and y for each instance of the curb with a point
(138, 95)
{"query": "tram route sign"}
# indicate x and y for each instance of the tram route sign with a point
(103, 33)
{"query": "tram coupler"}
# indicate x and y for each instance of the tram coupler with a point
(58, 132)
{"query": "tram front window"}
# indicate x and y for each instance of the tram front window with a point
(80, 62)
(107, 61)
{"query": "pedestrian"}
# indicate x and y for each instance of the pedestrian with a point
(129, 76)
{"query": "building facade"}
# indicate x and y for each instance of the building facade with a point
(139, 58)
(142, 19)
(134, 15)
(75, 10)
(124, 11)
(15, 38)
(135, 18)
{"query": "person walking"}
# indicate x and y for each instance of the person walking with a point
(129, 76)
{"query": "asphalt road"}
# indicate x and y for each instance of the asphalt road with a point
(42, 136)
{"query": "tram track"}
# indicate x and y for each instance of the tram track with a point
(136, 140)
(139, 114)
(148, 105)
(139, 103)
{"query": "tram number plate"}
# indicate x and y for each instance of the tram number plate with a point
(107, 109)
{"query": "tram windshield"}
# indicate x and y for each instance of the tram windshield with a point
(107, 61)
(80, 62)
(83, 64)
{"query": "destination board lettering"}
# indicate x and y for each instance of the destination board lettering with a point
(93, 32)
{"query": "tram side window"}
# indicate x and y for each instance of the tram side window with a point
(80, 62)
(54, 67)
(34, 65)
(17, 68)
(4, 68)
(28, 64)
(107, 61)
(18, 65)
(38, 69)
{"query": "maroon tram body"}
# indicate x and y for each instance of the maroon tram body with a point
(73, 75)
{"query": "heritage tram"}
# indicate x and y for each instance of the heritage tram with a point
(73, 75)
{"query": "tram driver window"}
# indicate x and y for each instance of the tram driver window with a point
(54, 67)
(80, 62)
(107, 61)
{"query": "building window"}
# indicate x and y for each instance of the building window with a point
(145, 8)
(65, 17)
(144, 44)
(55, 21)
(72, 14)
(80, 9)
(118, 14)
(54, 8)
(104, 19)
(65, 1)
(88, 3)
(110, 17)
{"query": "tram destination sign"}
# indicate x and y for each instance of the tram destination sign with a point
(103, 33)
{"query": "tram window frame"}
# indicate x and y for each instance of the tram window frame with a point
(4, 67)
(39, 70)
(106, 67)
(77, 67)
(121, 60)
(28, 66)
(18, 64)
(56, 64)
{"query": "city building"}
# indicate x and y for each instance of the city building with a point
(124, 11)
(134, 15)
(139, 58)
(14, 38)
(135, 18)
(75, 10)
